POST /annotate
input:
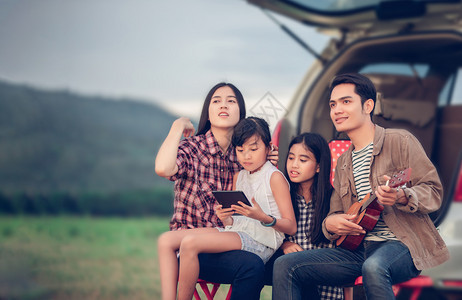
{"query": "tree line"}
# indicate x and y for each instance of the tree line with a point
(133, 203)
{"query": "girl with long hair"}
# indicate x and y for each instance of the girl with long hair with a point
(308, 168)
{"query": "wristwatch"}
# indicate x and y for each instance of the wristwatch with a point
(270, 224)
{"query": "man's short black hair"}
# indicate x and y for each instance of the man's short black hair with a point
(363, 86)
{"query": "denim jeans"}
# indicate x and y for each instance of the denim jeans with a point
(381, 264)
(244, 270)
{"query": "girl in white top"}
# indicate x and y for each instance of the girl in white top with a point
(260, 228)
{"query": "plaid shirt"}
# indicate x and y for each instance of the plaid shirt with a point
(303, 238)
(202, 168)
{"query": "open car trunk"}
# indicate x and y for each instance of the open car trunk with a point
(414, 75)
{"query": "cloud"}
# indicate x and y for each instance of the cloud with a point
(167, 51)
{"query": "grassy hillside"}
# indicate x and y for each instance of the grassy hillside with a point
(79, 258)
(82, 258)
(59, 142)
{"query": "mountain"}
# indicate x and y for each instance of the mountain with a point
(58, 141)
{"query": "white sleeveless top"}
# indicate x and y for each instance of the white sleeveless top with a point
(257, 185)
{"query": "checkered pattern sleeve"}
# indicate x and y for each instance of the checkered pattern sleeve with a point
(183, 159)
(202, 168)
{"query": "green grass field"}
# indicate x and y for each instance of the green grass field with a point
(81, 258)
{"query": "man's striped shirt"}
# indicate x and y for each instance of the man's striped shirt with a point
(361, 170)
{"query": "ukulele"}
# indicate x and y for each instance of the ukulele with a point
(368, 212)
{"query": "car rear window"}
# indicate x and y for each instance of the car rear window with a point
(419, 70)
(341, 6)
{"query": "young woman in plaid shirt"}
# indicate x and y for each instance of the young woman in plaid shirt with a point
(200, 164)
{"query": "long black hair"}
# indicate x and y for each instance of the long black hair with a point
(204, 122)
(321, 189)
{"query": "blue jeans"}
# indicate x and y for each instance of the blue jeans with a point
(381, 264)
(244, 270)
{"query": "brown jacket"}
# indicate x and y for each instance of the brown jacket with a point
(396, 150)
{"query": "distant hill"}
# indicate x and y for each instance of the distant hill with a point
(58, 141)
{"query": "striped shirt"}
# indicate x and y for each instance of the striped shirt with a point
(303, 239)
(361, 170)
(202, 168)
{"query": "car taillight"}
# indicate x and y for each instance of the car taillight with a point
(458, 191)
(277, 133)
(452, 283)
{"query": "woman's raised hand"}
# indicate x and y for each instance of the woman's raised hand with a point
(184, 125)
(273, 155)
(166, 157)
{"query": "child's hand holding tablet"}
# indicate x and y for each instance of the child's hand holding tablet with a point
(228, 198)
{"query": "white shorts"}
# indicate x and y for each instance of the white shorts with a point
(251, 245)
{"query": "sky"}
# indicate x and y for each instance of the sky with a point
(168, 52)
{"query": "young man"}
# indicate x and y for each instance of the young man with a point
(404, 241)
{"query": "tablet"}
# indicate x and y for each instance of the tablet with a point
(228, 198)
